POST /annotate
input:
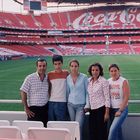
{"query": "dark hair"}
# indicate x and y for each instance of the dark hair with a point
(74, 60)
(99, 66)
(41, 60)
(57, 58)
(113, 65)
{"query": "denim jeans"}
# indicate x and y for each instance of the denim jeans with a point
(76, 113)
(57, 111)
(115, 131)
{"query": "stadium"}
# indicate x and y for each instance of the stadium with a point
(105, 31)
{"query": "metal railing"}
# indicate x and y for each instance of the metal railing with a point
(10, 101)
(19, 102)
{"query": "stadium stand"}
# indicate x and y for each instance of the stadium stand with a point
(35, 133)
(14, 115)
(4, 123)
(72, 126)
(99, 30)
(10, 132)
(133, 121)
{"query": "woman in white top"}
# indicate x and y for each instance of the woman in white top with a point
(98, 89)
(119, 94)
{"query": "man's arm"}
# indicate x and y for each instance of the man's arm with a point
(26, 108)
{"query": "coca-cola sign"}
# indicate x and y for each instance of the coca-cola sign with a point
(113, 18)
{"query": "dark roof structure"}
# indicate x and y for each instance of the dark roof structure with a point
(93, 1)
(87, 1)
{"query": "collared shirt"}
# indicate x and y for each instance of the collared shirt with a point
(77, 93)
(99, 93)
(36, 90)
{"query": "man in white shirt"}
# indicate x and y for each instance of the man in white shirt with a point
(34, 93)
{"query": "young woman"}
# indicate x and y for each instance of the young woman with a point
(119, 93)
(77, 95)
(98, 89)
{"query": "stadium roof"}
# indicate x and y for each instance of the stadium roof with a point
(86, 1)
(93, 1)
(63, 5)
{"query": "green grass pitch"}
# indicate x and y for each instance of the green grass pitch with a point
(13, 72)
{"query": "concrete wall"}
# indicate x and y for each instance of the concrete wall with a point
(12, 115)
(131, 128)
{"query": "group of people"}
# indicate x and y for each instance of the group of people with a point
(60, 95)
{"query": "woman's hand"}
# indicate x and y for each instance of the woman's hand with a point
(118, 113)
(106, 117)
(86, 110)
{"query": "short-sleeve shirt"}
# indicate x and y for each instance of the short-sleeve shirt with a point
(58, 85)
(36, 90)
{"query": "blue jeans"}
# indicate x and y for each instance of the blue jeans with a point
(115, 131)
(57, 111)
(76, 113)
